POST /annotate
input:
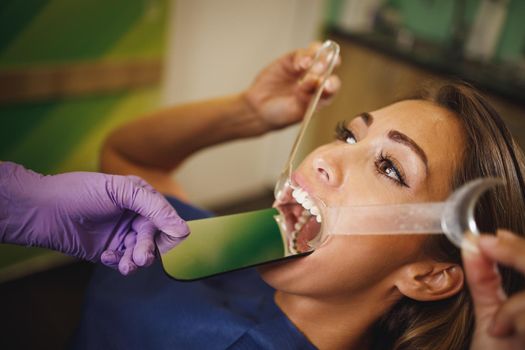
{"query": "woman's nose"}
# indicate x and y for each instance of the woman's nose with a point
(326, 172)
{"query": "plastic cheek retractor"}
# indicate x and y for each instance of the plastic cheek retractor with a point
(298, 217)
(322, 66)
(453, 217)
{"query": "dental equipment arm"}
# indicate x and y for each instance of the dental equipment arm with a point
(91, 216)
(154, 146)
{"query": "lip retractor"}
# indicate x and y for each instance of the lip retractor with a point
(321, 67)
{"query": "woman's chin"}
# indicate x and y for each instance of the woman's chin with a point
(288, 273)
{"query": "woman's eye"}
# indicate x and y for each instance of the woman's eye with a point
(351, 140)
(344, 134)
(386, 167)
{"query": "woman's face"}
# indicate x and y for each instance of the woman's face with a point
(405, 152)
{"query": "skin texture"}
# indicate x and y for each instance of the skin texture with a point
(363, 276)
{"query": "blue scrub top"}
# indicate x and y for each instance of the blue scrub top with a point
(149, 310)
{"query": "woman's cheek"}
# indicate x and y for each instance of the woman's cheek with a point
(360, 261)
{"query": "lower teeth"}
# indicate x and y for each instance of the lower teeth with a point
(293, 243)
(303, 219)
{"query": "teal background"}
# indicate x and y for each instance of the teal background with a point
(432, 20)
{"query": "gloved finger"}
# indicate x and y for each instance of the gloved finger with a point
(111, 258)
(519, 327)
(152, 206)
(484, 281)
(508, 315)
(144, 251)
(126, 265)
(166, 242)
(141, 182)
(507, 249)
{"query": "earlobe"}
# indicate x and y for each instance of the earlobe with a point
(428, 281)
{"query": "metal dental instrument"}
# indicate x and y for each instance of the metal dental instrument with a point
(322, 66)
(453, 217)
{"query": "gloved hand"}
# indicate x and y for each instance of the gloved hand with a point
(280, 93)
(500, 319)
(90, 216)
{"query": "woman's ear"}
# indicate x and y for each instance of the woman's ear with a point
(430, 280)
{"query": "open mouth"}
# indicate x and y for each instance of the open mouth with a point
(299, 219)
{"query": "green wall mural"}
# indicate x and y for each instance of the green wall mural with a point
(61, 131)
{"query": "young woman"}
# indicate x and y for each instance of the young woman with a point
(367, 292)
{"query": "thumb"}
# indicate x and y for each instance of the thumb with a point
(484, 281)
(151, 205)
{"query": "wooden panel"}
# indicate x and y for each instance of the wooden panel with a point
(45, 82)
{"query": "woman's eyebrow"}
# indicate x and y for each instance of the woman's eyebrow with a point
(366, 117)
(403, 139)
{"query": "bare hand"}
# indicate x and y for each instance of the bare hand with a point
(280, 96)
(500, 320)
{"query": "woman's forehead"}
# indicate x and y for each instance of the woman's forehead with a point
(436, 130)
(413, 111)
(422, 121)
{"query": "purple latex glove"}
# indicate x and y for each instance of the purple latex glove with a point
(90, 216)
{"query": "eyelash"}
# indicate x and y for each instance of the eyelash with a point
(400, 179)
(342, 133)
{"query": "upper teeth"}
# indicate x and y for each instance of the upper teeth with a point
(301, 196)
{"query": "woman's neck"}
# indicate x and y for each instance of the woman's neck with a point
(332, 324)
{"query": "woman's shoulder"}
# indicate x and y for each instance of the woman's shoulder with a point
(188, 211)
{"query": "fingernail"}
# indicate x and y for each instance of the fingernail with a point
(144, 259)
(140, 260)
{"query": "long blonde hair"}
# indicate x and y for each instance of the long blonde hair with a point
(490, 151)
